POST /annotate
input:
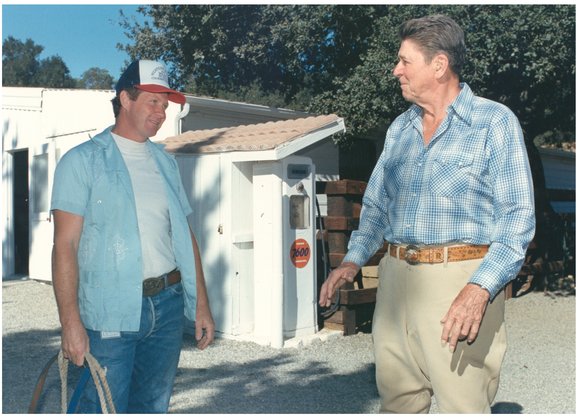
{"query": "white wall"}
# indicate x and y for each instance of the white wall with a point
(50, 122)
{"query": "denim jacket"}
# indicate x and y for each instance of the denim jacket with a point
(92, 181)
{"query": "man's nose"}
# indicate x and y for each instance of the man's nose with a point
(397, 71)
(161, 110)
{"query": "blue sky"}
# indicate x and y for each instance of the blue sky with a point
(84, 36)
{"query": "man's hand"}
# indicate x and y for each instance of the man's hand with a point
(204, 330)
(464, 316)
(75, 343)
(344, 273)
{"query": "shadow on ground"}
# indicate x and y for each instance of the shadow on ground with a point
(24, 355)
(228, 387)
(271, 384)
(258, 387)
(507, 408)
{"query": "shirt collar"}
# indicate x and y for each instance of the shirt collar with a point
(462, 106)
(104, 139)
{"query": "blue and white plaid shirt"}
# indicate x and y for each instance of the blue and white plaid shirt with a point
(471, 184)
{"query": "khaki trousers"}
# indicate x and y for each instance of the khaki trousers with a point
(411, 362)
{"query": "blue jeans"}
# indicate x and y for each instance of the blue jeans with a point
(140, 366)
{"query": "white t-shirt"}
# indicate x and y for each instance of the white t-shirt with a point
(152, 207)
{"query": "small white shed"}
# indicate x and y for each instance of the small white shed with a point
(254, 216)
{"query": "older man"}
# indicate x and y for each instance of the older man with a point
(452, 195)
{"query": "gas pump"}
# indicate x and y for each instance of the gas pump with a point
(299, 235)
(284, 238)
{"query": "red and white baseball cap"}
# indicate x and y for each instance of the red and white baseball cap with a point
(148, 76)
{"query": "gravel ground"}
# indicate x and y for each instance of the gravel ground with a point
(333, 374)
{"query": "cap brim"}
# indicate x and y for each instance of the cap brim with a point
(173, 95)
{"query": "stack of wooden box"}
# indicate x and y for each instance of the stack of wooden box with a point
(357, 300)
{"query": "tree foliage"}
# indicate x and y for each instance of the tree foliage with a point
(97, 79)
(339, 58)
(21, 66)
(19, 62)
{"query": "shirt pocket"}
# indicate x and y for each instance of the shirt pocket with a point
(450, 175)
(394, 176)
(99, 297)
(109, 199)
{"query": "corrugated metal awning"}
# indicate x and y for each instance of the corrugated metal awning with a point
(293, 135)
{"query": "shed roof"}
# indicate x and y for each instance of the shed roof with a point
(278, 139)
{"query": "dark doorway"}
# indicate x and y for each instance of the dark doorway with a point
(20, 212)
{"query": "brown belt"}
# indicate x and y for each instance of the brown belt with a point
(153, 286)
(413, 254)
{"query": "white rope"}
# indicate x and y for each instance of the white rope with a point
(98, 374)
(107, 406)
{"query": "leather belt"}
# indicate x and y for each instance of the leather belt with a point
(414, 254)
(154, 285)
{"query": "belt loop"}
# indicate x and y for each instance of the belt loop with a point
(445, 256)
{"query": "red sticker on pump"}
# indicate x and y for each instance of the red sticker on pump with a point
(300, 253)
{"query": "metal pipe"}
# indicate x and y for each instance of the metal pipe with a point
(277, 288)
(178, 119)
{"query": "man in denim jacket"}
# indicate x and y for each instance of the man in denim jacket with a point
(126, 265)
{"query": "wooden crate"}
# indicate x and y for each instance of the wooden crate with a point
(357, 300)
(370, 277)
(355, 312)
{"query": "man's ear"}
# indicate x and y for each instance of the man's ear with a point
(440, 65)
(124, 99)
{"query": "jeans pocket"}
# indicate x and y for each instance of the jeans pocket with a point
(177, 289)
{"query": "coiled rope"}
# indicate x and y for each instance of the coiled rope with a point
(97, 373)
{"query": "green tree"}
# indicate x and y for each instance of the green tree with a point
(339, 58)
(522, 56)
(19, 62)
(96, 78)
(21, 66)
(289, 52)
(530, 66)
(53, 72)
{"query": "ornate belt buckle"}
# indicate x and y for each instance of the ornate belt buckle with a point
(412, 254)
(152, 286)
